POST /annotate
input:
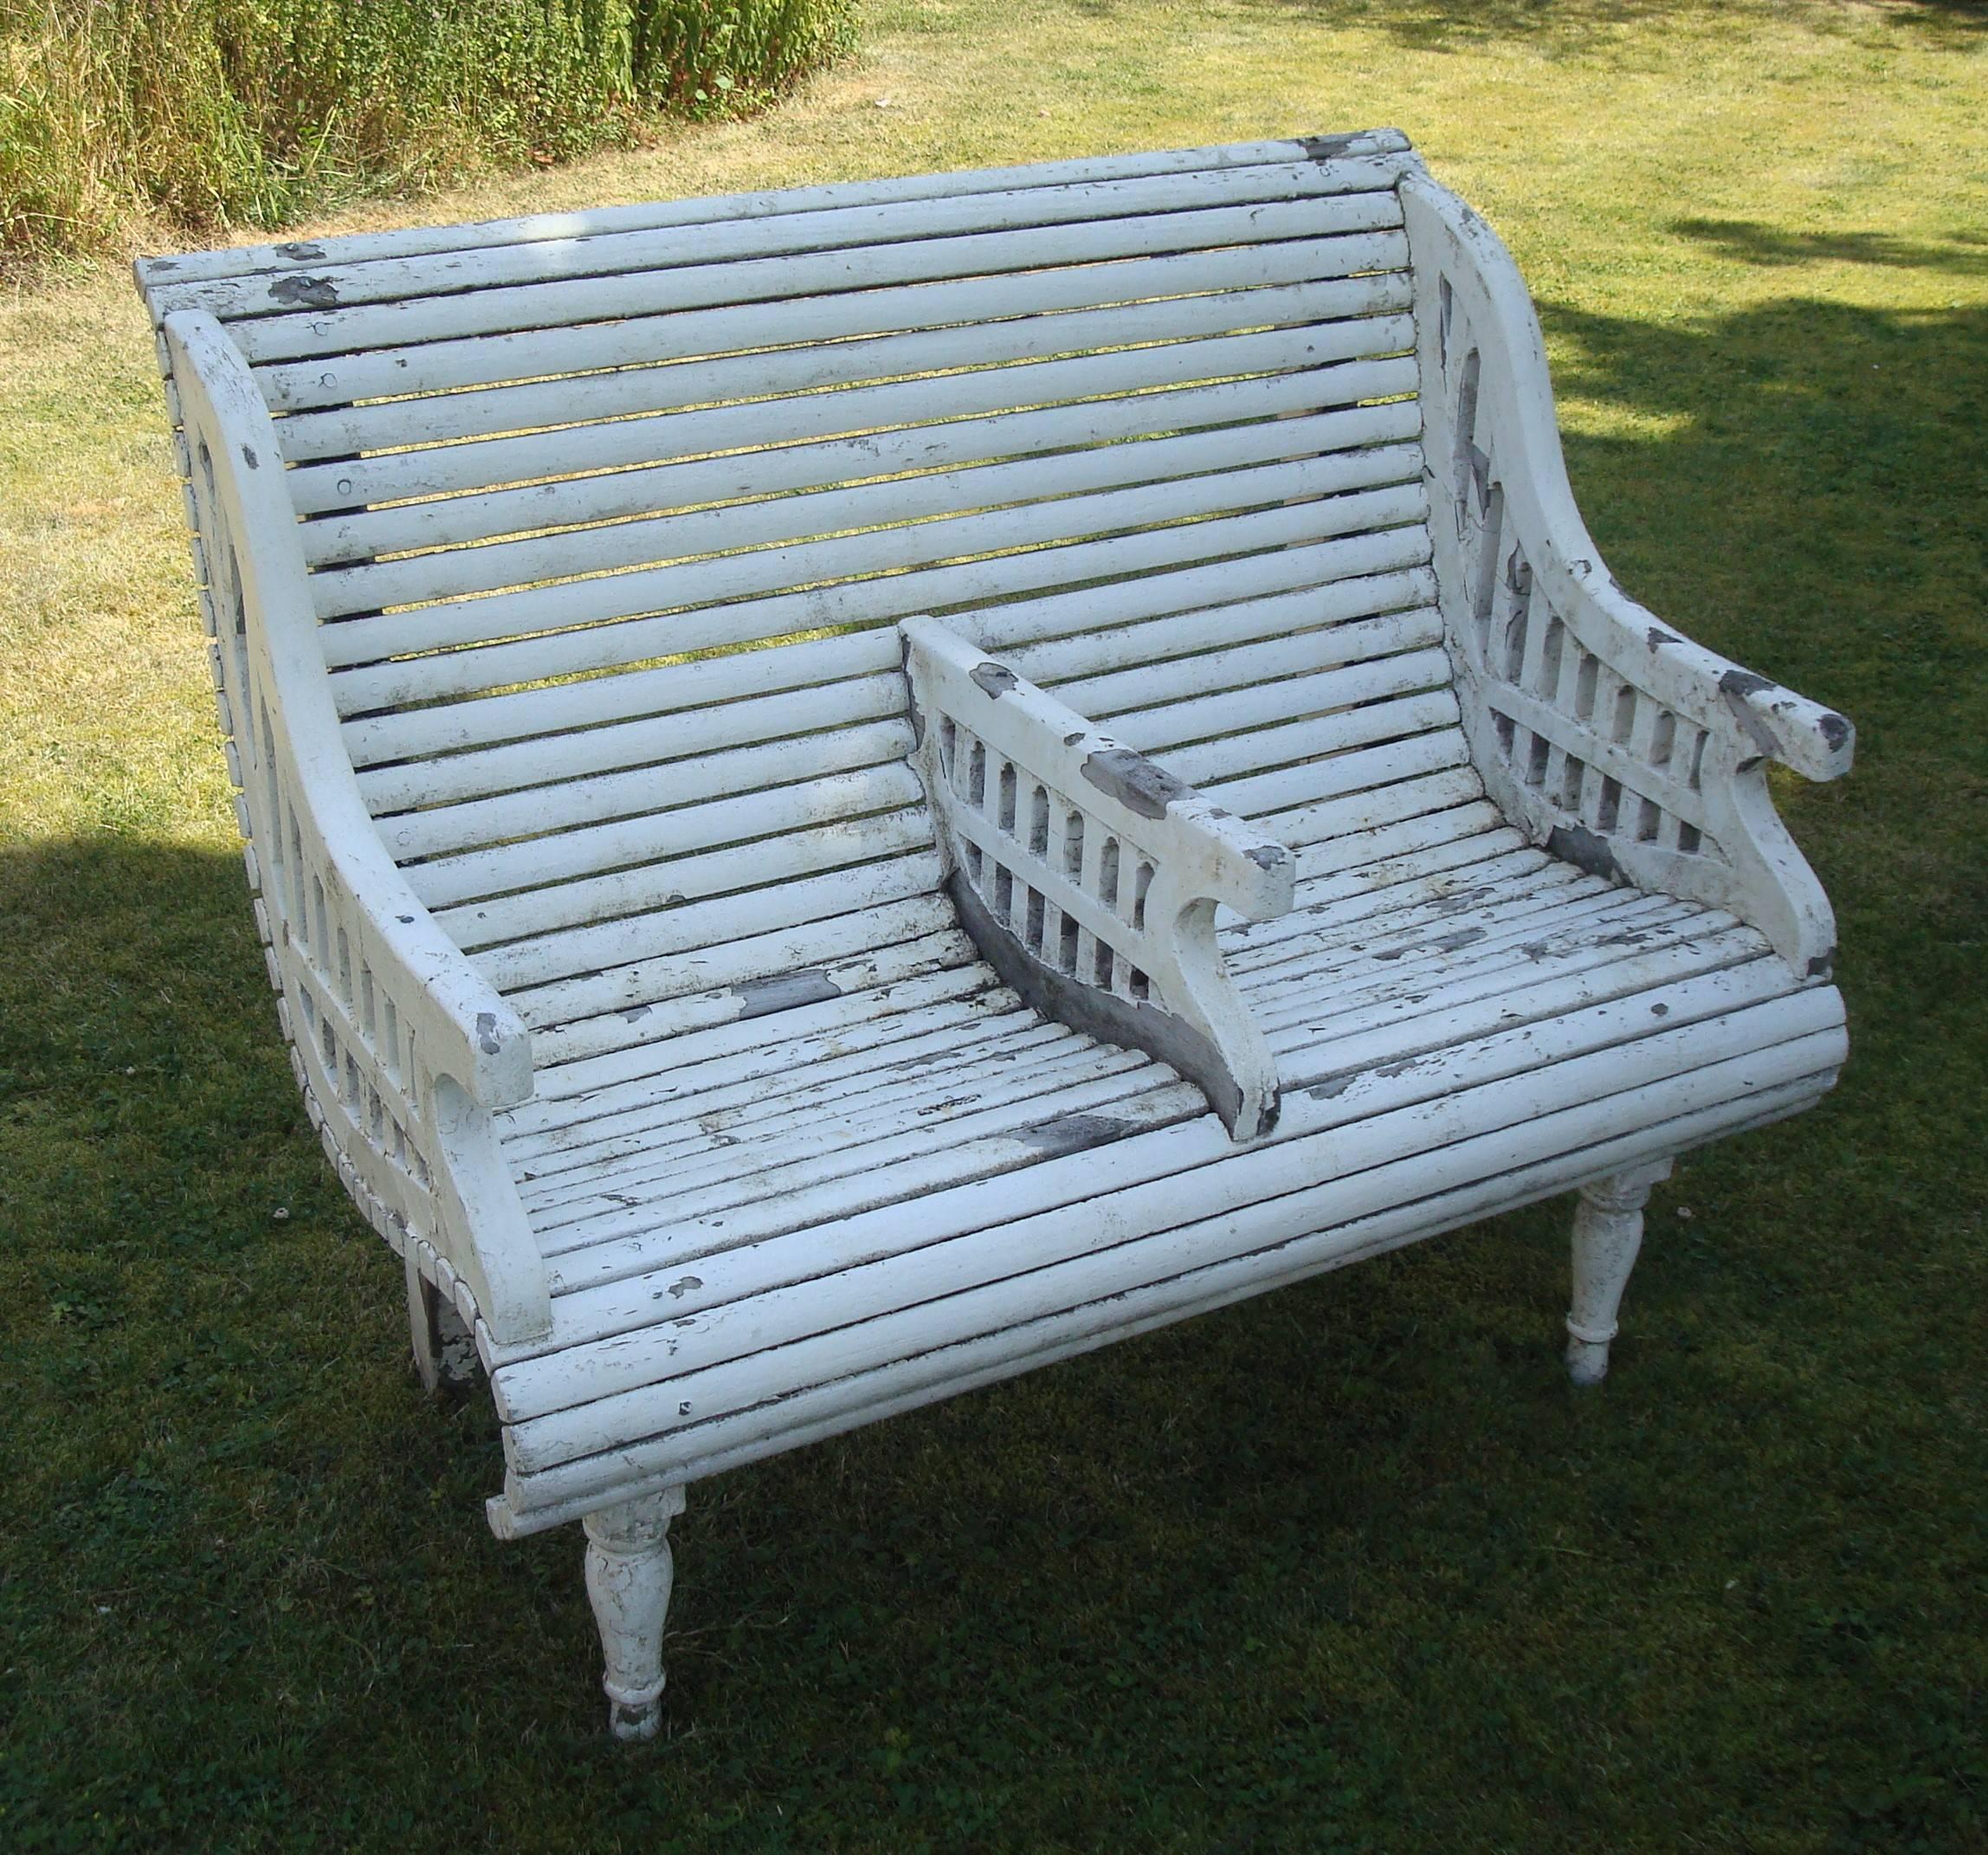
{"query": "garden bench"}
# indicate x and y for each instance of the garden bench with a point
(852, 791)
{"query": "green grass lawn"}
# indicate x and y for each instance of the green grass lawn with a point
(1347, 1568)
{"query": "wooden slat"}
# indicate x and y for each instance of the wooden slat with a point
(496, 383)
(1348, 663)
(770, 279)
(1323, 1055)
(1377, 770)
(634, 939)
(847, 757)
(1359, 161)
(1073, 1075)
(531, 1503)
(672, 883)
(934, 1047)
(740, 1277)
(895, 1082)
(643, 1076)
(1043, 484)
(982, 1287)
(695, 727)
(608, 1289)
(1209, 763)
(792, 1040)
(580, 615)
(1341, 580)
(1317, 831)
(339, 290)
(878, 381)
(960, 420)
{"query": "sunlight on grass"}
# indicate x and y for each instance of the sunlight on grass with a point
(1345, 1568)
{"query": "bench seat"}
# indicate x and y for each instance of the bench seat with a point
(745, 1256)
(852, 791)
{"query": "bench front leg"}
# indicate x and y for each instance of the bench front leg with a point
(1608, 1234)
(630, 1575)
(1088, 876)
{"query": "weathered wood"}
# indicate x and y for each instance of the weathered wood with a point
(665, 656)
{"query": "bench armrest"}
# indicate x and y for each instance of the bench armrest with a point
(1599, 731)
(403, 1049)
(1089, 875)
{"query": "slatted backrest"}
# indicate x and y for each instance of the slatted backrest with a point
(610, 519)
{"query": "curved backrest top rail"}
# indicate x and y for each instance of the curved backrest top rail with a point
(294, 257)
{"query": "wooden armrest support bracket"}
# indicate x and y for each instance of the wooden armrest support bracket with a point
(404, 1050)
(1605, 735)
(1089, 875)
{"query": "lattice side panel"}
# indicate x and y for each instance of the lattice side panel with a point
(1071, 891)
(1580, 754)
(350, 1044)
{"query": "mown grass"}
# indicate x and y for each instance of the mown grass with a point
(1349, 1567)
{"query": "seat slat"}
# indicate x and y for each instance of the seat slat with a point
(895, 1079)
(605, 1290)
(1311, 1034)
(1304, 1249)
(735, 1277)
(683, 1068)
(936, 1047)
(1288, 998)
(950, 1291)
(1073, 1075)
(571, 1019)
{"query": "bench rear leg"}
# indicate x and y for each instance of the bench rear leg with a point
(444, 1349)
(629, 1572)
(1607, 1232)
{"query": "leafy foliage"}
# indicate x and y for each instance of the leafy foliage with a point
(226, 112)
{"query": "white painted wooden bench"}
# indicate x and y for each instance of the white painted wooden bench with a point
(853, 791)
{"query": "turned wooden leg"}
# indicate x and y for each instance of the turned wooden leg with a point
(629, 1576)
(1607, 1232)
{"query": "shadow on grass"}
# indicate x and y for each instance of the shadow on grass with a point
(1967, 256)
(1589, 25)
(1346, 1567)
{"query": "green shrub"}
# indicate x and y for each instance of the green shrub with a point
(224, 113)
